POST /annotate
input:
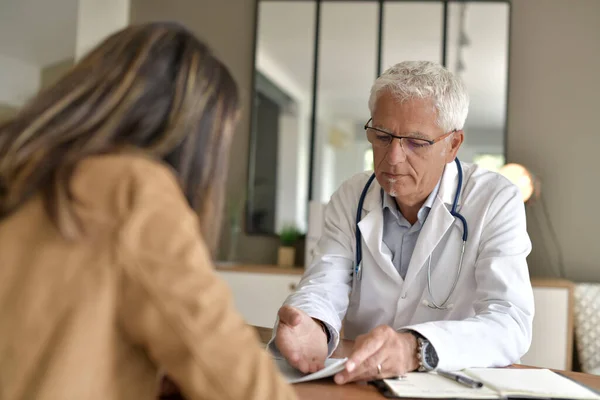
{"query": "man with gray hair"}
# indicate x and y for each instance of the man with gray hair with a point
(425, 259)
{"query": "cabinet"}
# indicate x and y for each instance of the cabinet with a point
(552, 342)
(258, 295)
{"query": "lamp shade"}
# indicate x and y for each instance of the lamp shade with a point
(520, 176)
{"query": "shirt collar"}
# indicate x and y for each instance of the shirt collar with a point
(390, 203)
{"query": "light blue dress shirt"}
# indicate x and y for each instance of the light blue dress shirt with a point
(398, 234)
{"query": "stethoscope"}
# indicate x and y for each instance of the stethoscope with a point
(455, 214)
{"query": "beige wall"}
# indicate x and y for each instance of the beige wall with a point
(52, 72)
(6, 111)
(553, 125)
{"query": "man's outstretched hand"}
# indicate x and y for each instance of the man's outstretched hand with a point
(301, 340)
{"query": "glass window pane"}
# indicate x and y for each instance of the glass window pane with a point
(279, 147)
(346, 71)
(478, 52)
(411, 31)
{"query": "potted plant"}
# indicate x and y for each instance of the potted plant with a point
(288, 237)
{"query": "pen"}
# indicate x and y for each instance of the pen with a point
(463, 380)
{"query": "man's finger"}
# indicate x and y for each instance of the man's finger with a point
(303, 366)
(366, 349)
(367, 370)
(289, 316)
(314, 367)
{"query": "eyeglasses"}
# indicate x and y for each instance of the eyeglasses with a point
(381, 139)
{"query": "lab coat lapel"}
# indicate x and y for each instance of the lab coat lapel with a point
(371, 228)
(437, 224)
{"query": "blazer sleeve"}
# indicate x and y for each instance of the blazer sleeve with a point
(501, 330)
(173, 304)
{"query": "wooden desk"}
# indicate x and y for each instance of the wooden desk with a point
(328, 390)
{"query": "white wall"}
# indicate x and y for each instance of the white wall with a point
(19, 81)
(98, 19)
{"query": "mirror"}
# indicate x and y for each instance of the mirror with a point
(307, 132)
(412, 31)
(478, 52)
(282, 108)
(346, 69)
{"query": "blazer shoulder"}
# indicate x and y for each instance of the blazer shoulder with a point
(113, 185)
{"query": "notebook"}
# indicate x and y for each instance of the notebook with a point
(292, 375)
(498, 383)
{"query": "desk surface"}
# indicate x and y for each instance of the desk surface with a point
(327, 389)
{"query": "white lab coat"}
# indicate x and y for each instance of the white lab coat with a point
(490, 321)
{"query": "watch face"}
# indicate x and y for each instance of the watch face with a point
(430, 356)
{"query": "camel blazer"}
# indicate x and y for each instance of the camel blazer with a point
(98, 317)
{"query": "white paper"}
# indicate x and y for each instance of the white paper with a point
(292, 375)
(498, 383)
(430, 385)
(531, 382)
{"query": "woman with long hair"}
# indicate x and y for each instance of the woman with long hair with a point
(111, 189)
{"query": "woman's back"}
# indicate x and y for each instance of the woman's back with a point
(92, 318)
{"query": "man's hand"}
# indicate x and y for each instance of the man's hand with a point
(394, 352)
(301, 340)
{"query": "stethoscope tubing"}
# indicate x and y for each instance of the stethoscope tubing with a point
(453, 212)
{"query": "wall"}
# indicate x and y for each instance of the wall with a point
(97, 19)
(6, 112)
(53, 72)
(19, 81)
(553, 126)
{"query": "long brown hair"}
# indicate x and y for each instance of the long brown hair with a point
(153, 87)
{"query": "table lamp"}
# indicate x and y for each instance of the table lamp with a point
(527, 183)
(529, 186)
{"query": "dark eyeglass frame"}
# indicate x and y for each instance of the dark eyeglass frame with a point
(430, 142)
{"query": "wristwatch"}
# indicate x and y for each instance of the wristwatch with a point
(426, 354)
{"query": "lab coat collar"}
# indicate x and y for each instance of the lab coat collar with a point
(371, 228)
(437, 224)
(448, 184)
(434, 229)
(446, 190)
(390, 203)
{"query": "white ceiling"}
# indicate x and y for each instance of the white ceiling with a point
(412, 31)
(38, 32)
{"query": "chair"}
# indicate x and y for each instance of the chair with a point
(587, 326)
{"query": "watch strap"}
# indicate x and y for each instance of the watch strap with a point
(426, 354)
(422, 344)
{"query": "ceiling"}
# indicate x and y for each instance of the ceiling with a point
(412, 31)
(38, 32)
